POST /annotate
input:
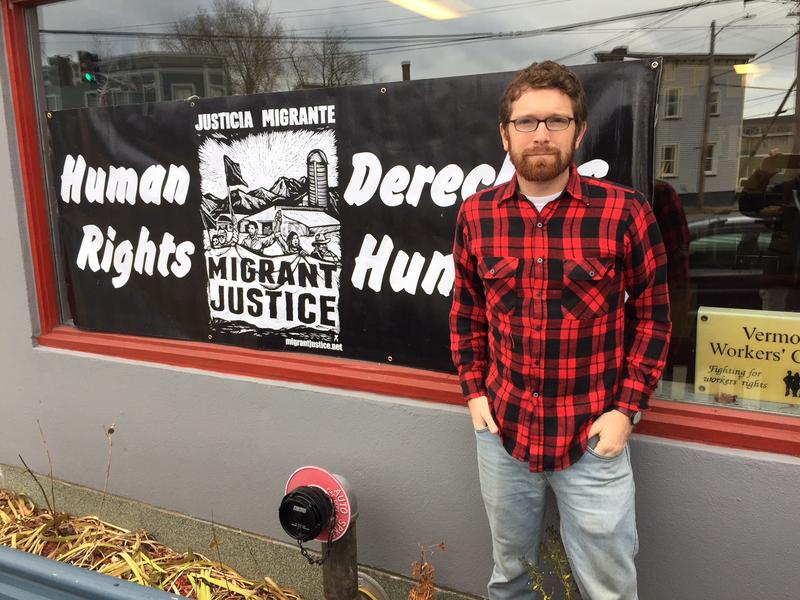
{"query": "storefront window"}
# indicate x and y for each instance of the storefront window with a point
(727, 193)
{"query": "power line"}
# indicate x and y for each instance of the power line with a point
(239, 36)
(767, 97)
(327, 10)
(770, 113)
(470, 13)
(348, 38)
(605, 43)
(417, 42)
(763, 54)
(380, 4)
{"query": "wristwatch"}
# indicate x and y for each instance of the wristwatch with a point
(634, 415)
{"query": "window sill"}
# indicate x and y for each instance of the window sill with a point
(666, 418)
(277, 366)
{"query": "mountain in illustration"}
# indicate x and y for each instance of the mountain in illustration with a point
(251, 201)
(288, 188)
(212, 206)
(264, 194)
(286, 191)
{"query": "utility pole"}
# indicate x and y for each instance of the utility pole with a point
(796, 132)
(701, 163)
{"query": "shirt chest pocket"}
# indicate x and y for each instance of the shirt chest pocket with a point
(499, 275)
(591, 288)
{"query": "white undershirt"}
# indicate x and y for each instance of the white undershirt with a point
(541, 201)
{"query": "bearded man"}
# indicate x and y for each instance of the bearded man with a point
(554, 363)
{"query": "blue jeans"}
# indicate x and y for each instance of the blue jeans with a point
(598, 523)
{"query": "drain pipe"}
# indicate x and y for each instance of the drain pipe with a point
(26, 576)
(319, 505)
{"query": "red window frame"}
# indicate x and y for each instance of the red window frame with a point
(667, 418)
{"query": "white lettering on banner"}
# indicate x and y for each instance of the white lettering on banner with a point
(172, 259)
(446, 182)
(445, 185)
(71, 177)
(405, 273)
(95, 184)
(302, 115)
(422, 175)
(440, 274)
(237, 119)
(123, 184)
(482, 174)
(150, 185)
(506, 172)
(277, 292)
(396, 180)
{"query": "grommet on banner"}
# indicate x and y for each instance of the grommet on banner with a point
(49, 115)
(654, 64)
(389, 358)
(383, 90)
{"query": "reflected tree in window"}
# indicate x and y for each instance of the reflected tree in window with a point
(326, 62)
(247, 37)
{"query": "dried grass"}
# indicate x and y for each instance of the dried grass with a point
(423, 571)
(555, 557)
(134, 556)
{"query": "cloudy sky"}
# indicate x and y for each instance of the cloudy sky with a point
(684, 31)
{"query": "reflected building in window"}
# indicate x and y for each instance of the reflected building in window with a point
(135, 79)
(762, 136)
(679, 129)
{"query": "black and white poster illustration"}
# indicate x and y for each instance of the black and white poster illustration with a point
(272, 234)
(310, 221)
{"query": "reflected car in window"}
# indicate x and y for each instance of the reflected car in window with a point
(731, 258)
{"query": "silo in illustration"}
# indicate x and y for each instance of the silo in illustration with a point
(317, 179)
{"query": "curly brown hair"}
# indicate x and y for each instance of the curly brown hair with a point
(547, 74)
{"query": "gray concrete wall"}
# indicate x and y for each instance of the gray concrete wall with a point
(715, 524)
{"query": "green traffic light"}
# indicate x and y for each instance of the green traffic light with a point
(89, 77)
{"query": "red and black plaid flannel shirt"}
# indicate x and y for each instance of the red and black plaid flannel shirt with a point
(539, 322)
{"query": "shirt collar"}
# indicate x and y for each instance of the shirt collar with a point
(574, 188)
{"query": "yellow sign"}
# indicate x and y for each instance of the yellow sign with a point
(753, 354)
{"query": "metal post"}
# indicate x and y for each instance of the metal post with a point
(701, 177)
(796, 132)
(340, 571)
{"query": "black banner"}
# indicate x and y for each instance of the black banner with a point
(317, 221)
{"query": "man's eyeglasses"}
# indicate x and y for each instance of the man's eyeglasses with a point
(529, 124)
